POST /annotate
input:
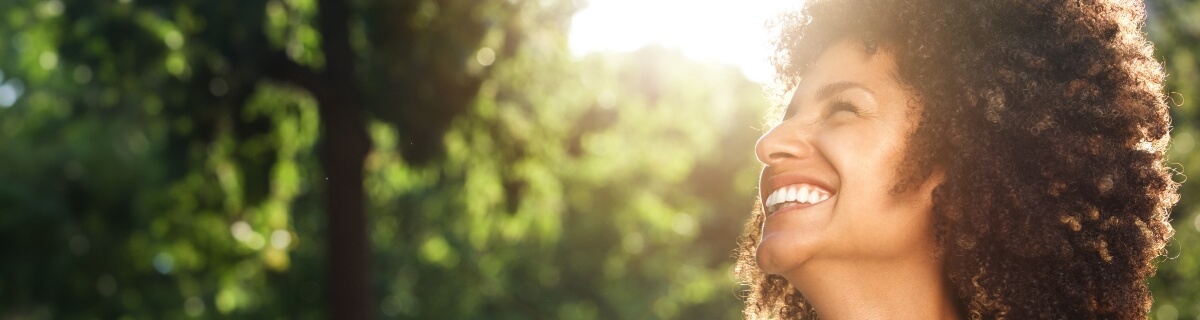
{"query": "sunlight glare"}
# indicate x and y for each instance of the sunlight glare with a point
(722, 31)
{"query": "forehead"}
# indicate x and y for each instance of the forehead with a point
(848, 60)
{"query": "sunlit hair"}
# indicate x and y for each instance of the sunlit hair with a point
(1050, 122)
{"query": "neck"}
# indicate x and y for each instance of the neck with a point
(907, 288)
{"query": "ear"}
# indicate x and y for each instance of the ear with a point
(937, 175)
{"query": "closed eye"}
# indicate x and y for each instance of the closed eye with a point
(837, 105)
(840, 105)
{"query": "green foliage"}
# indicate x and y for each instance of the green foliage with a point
(600, 189)
(148, 177)
(1173, 29)
(155, 168)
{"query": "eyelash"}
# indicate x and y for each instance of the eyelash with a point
(838, 104)
(841, 105)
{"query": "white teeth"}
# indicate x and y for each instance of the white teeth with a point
(794, 194)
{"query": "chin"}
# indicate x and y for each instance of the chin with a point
(778, 254)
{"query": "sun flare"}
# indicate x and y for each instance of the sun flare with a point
(721, 31)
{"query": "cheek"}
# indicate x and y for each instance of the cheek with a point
(874, 220)
(863, 156)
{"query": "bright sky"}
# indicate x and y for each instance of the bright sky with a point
(725, 31)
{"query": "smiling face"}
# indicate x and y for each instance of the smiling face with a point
(831, 166)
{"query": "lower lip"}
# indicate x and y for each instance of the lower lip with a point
(796, 207)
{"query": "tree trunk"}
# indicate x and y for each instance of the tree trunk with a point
(343, 150)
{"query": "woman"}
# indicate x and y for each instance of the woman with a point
(961, 159)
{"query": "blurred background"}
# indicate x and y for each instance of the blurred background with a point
(420, 159)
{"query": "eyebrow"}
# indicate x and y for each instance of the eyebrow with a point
(831, 89)
(828, 91)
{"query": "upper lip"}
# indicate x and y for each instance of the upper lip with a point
(773, 181)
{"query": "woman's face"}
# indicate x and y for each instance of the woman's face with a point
(831, 166)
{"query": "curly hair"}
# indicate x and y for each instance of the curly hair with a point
(1050, 122)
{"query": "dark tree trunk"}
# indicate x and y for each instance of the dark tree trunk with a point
(343, 150)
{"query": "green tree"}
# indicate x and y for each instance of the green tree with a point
(612, 187)
(179, 158)
(176, 122)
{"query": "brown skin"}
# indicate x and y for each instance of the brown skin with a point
(1041, 125)
(866, 252)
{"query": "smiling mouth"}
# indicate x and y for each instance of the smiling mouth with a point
(796, 194)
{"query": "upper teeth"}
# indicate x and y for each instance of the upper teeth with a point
(794, 194)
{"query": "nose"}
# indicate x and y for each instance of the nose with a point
(783, 143)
